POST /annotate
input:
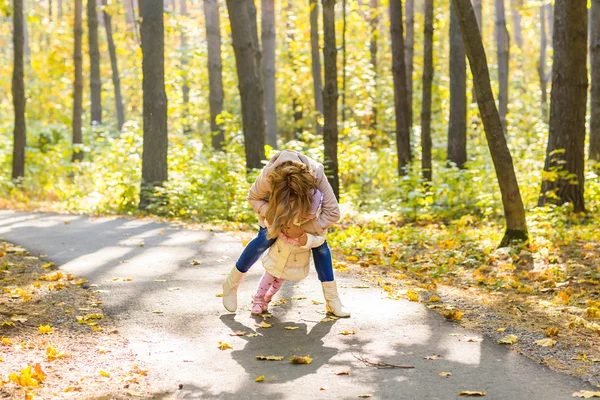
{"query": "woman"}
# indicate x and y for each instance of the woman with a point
(284, 194)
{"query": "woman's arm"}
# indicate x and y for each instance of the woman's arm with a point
(330, 210)
(257, 194)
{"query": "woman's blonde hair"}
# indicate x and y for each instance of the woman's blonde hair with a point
(292, 188)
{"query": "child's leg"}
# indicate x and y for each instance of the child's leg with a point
(275, 286)
(265, 284)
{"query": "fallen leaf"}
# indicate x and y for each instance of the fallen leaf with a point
(260, 378)
(17, 318)
(547, 342)
(252, 335)
(343, 373)
(160, 280)
(45, 329)
(508, 339)
(299, 298)
(361, 286)
(471, 339)
(195, 262)
(266, 315)
(316, 303)
(586, 394)
(323, 388)
(263, 324)
(291, 328)
(352, 332)
(329, 319)
(8, 324)
(552, 331)
(364, 396)
(224, 346)
(471, 393)
(237, 333)
(6, 340)
(104, 373)
(433, 299)
(432, 357)
(219, 294)
(300, 360)
(53, 354)
(352, 258)
(48, 265)
(452, 315)
(173, 288)
(445, 374)
(269, 358)
(501, 330)
(412, 295)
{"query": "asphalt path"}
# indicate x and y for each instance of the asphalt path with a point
(170, 313)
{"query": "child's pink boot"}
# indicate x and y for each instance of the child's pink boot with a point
(258, 305)
(265, 306)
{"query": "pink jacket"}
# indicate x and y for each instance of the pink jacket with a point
(259, 193)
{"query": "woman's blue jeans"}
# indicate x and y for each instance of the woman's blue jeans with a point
(258, 245)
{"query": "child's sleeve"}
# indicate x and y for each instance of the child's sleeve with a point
(313, 241)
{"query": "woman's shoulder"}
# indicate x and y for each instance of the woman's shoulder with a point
(315, 167)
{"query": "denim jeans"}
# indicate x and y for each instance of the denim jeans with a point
(258, 245)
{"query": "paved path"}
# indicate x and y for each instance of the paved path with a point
(180, 344)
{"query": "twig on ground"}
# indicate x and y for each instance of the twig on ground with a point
(379, 364)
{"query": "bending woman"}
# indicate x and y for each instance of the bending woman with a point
(286, 193)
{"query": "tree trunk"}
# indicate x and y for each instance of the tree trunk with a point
(77, 85)
(268, 47)
(59, 9)
(374, 22)
(316, 63)
(514, 212)
(291, 38)
(595, 73)
(565, 151)
(26, 47)
(502, 45)
(50, 10)
(457, 124)
(541, 66)
(515, 6)
(478, 14)
(409, 49)
(330, 97)
(344, 58)
(400, 89)
(185, 87)
(18, 94)
(94, 53)
(426, 167)
(114, 67)
(154, 156)
(245, 42)
(215, 68)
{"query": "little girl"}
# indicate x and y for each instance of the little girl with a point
(287, 259)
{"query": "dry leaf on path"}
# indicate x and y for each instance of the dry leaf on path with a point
(329, 319)
(299, 298)
(254, 334)
(45, 329)
(454, 315)
(260, 379)
(104, 373)
(412, 295)
(316, 302)
(17, 318)
(446, 374)
(343, 373)
(219, 294)
(586, 394)
(300, 360)
(547, 342)
(291, 328)
(237, 333)
(501, 330)
(471, 339)
(224, 346)
(269, 358)
(508, 339)
(352, 332)
(552, 331)
(364, 396)
(471, 393)
(263, 324)
(432, 357)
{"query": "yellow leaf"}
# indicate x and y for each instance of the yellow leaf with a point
(445, 374)
(471, 393)
(300, 360)
(48, 265)
(299, 298)
(8, 324)
(219, 294)
(291, 328)
(315, 302)
(269, 358)
(224, 346)
(53, 354)
(104, 373)
(432, 357)
(245, 242)
(6, 340)
(412, 295)
(263, 324)
(552, 331)
(586, 394)
(343, 373)
(329, 319)
(96, 328)
(501, 330)
(352, 258)
(352, 332)
(45, 329)
(1, 359)
(452, 315)
(38, 373)
(237, 333)
(252, 335)
(547, 342)
(508, 339)
(471, 339)
(562, 298)
(260, 378)
(433, 299)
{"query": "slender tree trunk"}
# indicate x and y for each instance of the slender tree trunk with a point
(550, 14)
(515, 8)
(215, 67)
(185, 87)
(426, 167)
(344, 58)
(374, 22)
(565, 151)
(514, 212)
(541, 66)
(478, 14)
(595, 73)
(77, 84)
(400, 89)
(330, 97)
(114, 67)
(94, 53)
(316, 63)
(291, 38)
(409, 49)
(268, 47)
(502, 45)
(154, 155)
(249, 78)
(457, 124)
(59, 9)
(131, 7)
(26, 33)
(18, 94)
(50, 9)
